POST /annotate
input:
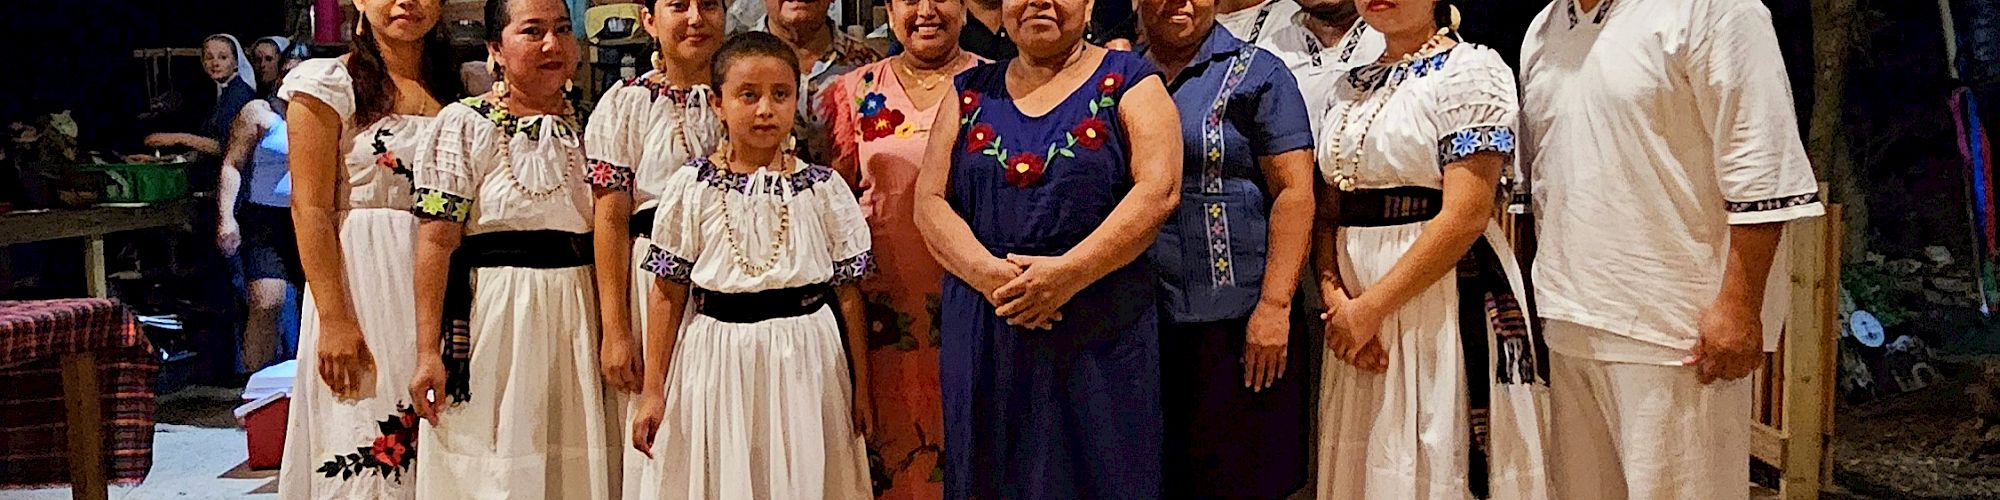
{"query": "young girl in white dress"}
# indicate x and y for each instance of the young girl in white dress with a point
(754, 397)
(356, 124)
(643, 130)
(1434, 386)
(511, 390)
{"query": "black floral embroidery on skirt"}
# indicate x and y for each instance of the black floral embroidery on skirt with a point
(387, 456)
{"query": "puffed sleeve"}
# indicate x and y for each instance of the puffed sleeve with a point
(847, 236)
(323, 79)
(447, 173)
(1479, 108)
(614, 139)
(677, 227)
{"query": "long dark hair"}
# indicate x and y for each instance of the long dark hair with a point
(374, 95)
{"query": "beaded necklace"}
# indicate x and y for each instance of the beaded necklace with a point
(1346, 166)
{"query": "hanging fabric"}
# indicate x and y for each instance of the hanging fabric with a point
(1978, 155)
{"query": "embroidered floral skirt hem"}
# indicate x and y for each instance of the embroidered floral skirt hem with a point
(758, 410)
(1409, 433)
(365, 448)
(535, 426)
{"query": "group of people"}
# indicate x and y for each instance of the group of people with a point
(779, 265)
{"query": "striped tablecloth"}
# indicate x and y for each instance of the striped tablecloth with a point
(34, 335)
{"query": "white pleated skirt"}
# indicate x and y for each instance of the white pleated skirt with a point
(759, 411)
(630, 464)
(535, 425)
(377, 252)
(1404, 433)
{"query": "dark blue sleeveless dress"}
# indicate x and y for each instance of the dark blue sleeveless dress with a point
(1073, 412)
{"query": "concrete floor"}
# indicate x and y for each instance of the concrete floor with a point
(198, 454)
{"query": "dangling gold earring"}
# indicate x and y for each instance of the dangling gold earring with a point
(659, 62)
(360, 22)
(1454, 17)
(569, 86)
(722, 146)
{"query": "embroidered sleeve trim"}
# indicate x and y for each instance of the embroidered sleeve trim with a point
(435, 204)
(854, 269)
(1737, 207)
(609, 175)
(1466, 142)
(664, 264)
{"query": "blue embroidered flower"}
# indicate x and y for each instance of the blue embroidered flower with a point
(872, 104)
(1465, 143)
(1502, 140)
(1437, 62)
(1420, 68)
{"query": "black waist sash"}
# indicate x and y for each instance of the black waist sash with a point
(544, 249)
(752, 307)
(642, 223)
(1488, 311)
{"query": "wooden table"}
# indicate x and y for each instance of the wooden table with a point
(79, 369)
(92, 224)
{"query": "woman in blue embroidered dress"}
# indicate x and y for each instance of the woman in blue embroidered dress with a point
(1040, 205)
(1432, 388)
(1235, 403)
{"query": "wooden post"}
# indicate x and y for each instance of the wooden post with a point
(93, 267)
(1806, 393)
(85, 419)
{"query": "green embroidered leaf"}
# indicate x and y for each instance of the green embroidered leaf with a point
(1069, 138)
(1104, 102)
(1093, 107)
(1066, 152)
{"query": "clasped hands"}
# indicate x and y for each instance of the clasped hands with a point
(1354, 330)
(1028, 290)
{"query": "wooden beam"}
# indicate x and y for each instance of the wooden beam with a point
(85, 420)
(97, 221)
(1767, 444)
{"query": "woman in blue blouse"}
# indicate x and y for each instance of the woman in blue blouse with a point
(1235, 407)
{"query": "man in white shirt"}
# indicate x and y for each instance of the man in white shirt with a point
(1319, 40)
(1666, 158)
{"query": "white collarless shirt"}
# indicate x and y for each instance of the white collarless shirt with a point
(1317, 67)
(1651, 126)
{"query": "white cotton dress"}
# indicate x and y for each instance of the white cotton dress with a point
(759, 410)
(534, 426)
(372, 193)
(1405, 433)
(638, 136)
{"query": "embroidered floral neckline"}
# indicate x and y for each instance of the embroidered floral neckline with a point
(1024, 169)
(878, 120)
(802, 177)
(565, 128)
(1603, 7)
(1375, 76)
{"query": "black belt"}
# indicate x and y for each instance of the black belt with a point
(1389, 207)
(752, 307)
(642, 223)
(544, 249)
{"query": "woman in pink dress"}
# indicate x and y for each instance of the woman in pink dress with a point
(881, 115)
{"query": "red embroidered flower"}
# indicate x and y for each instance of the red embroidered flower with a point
(386, 160)
(388, 450)
(981, 135)
(1024, 168)
(881, 125)
(967, 100)
(1091, 133)
(1110, 82)
(409, 420)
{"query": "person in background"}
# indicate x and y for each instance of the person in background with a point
(354, 123)
(1038, 198)
(751, 398)
(507, 377)
(1320, 40)
(825, 53)
(1234, 400)
(1434, 386)
(226, 63)
(1667, 161)
(272, 57)
(255, 224)
(642, 132)
(882, 115)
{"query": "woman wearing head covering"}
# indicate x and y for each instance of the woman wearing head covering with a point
(224, 61)
(258, 221)
(881, 120)
(1038, 198)
(1434, 386)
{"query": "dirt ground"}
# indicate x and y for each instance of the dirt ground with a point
(1914, 445)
